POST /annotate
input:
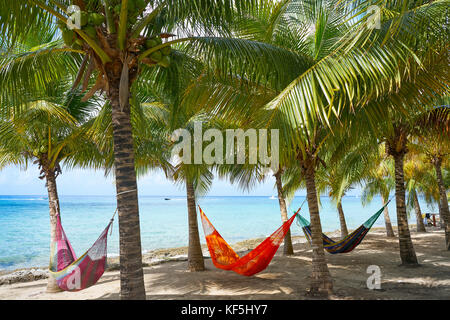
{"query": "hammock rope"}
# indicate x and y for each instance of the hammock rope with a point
(70, 273)
(347, 244)
(225, 258)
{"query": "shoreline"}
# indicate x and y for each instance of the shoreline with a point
(159, 256)
(286, 278)
(149, 258)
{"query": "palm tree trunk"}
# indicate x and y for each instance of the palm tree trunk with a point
(321, 281)
(444, 212)
(420, 226)
(195, 255)
(288, 248)
(407, 253)
(53, 202)
(344, 230)
(387, 220)
(131, 273)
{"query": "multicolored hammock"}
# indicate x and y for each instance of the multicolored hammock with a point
(224, 257)
(74, 274)
(348, 243)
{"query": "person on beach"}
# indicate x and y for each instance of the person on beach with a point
(425, 220)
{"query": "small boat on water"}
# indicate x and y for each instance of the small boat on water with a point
(273, 198)
(166, 199)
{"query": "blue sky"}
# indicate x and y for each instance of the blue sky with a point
(14, 181)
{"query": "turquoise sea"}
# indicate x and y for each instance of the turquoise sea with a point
(24, 222)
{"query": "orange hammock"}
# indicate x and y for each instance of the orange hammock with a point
(253, 262)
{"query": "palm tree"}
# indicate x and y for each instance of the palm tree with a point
(396, 146)
(327, 181)
(333, 59)
(402, 107)
(432, 141)
(443, 202)
(346, 166)
(195, 177)
(49, 132)
(419, 178)
(168, 110)
(157, 113)
(306, 90)
(396, 130)
(281, 32)
(310, 89)
(288, 247)
(337, 181)
(248, 176)
(120, 45)
(379, 180)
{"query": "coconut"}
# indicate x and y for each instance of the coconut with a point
(68, 37)
(165, 62)
(166, 50)
(96, 19)
(84, 18)
(131, 9)
(156, 56)
(117, 9)
(151, 43)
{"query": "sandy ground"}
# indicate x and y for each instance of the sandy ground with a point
(285, 278)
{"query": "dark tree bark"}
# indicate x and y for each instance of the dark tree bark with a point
(344, 230)
(396, 147)
(444, 212)
(321, 281)
(195, 255)
(53, 202)
(420, 227)
(131, 273)
(387, 220)
(407, 252)
(288, 248)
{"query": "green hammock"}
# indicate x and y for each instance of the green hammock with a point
(347, 244)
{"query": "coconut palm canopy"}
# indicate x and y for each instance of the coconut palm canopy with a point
(50, 130)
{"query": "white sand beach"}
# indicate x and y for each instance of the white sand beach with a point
(285, 278)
